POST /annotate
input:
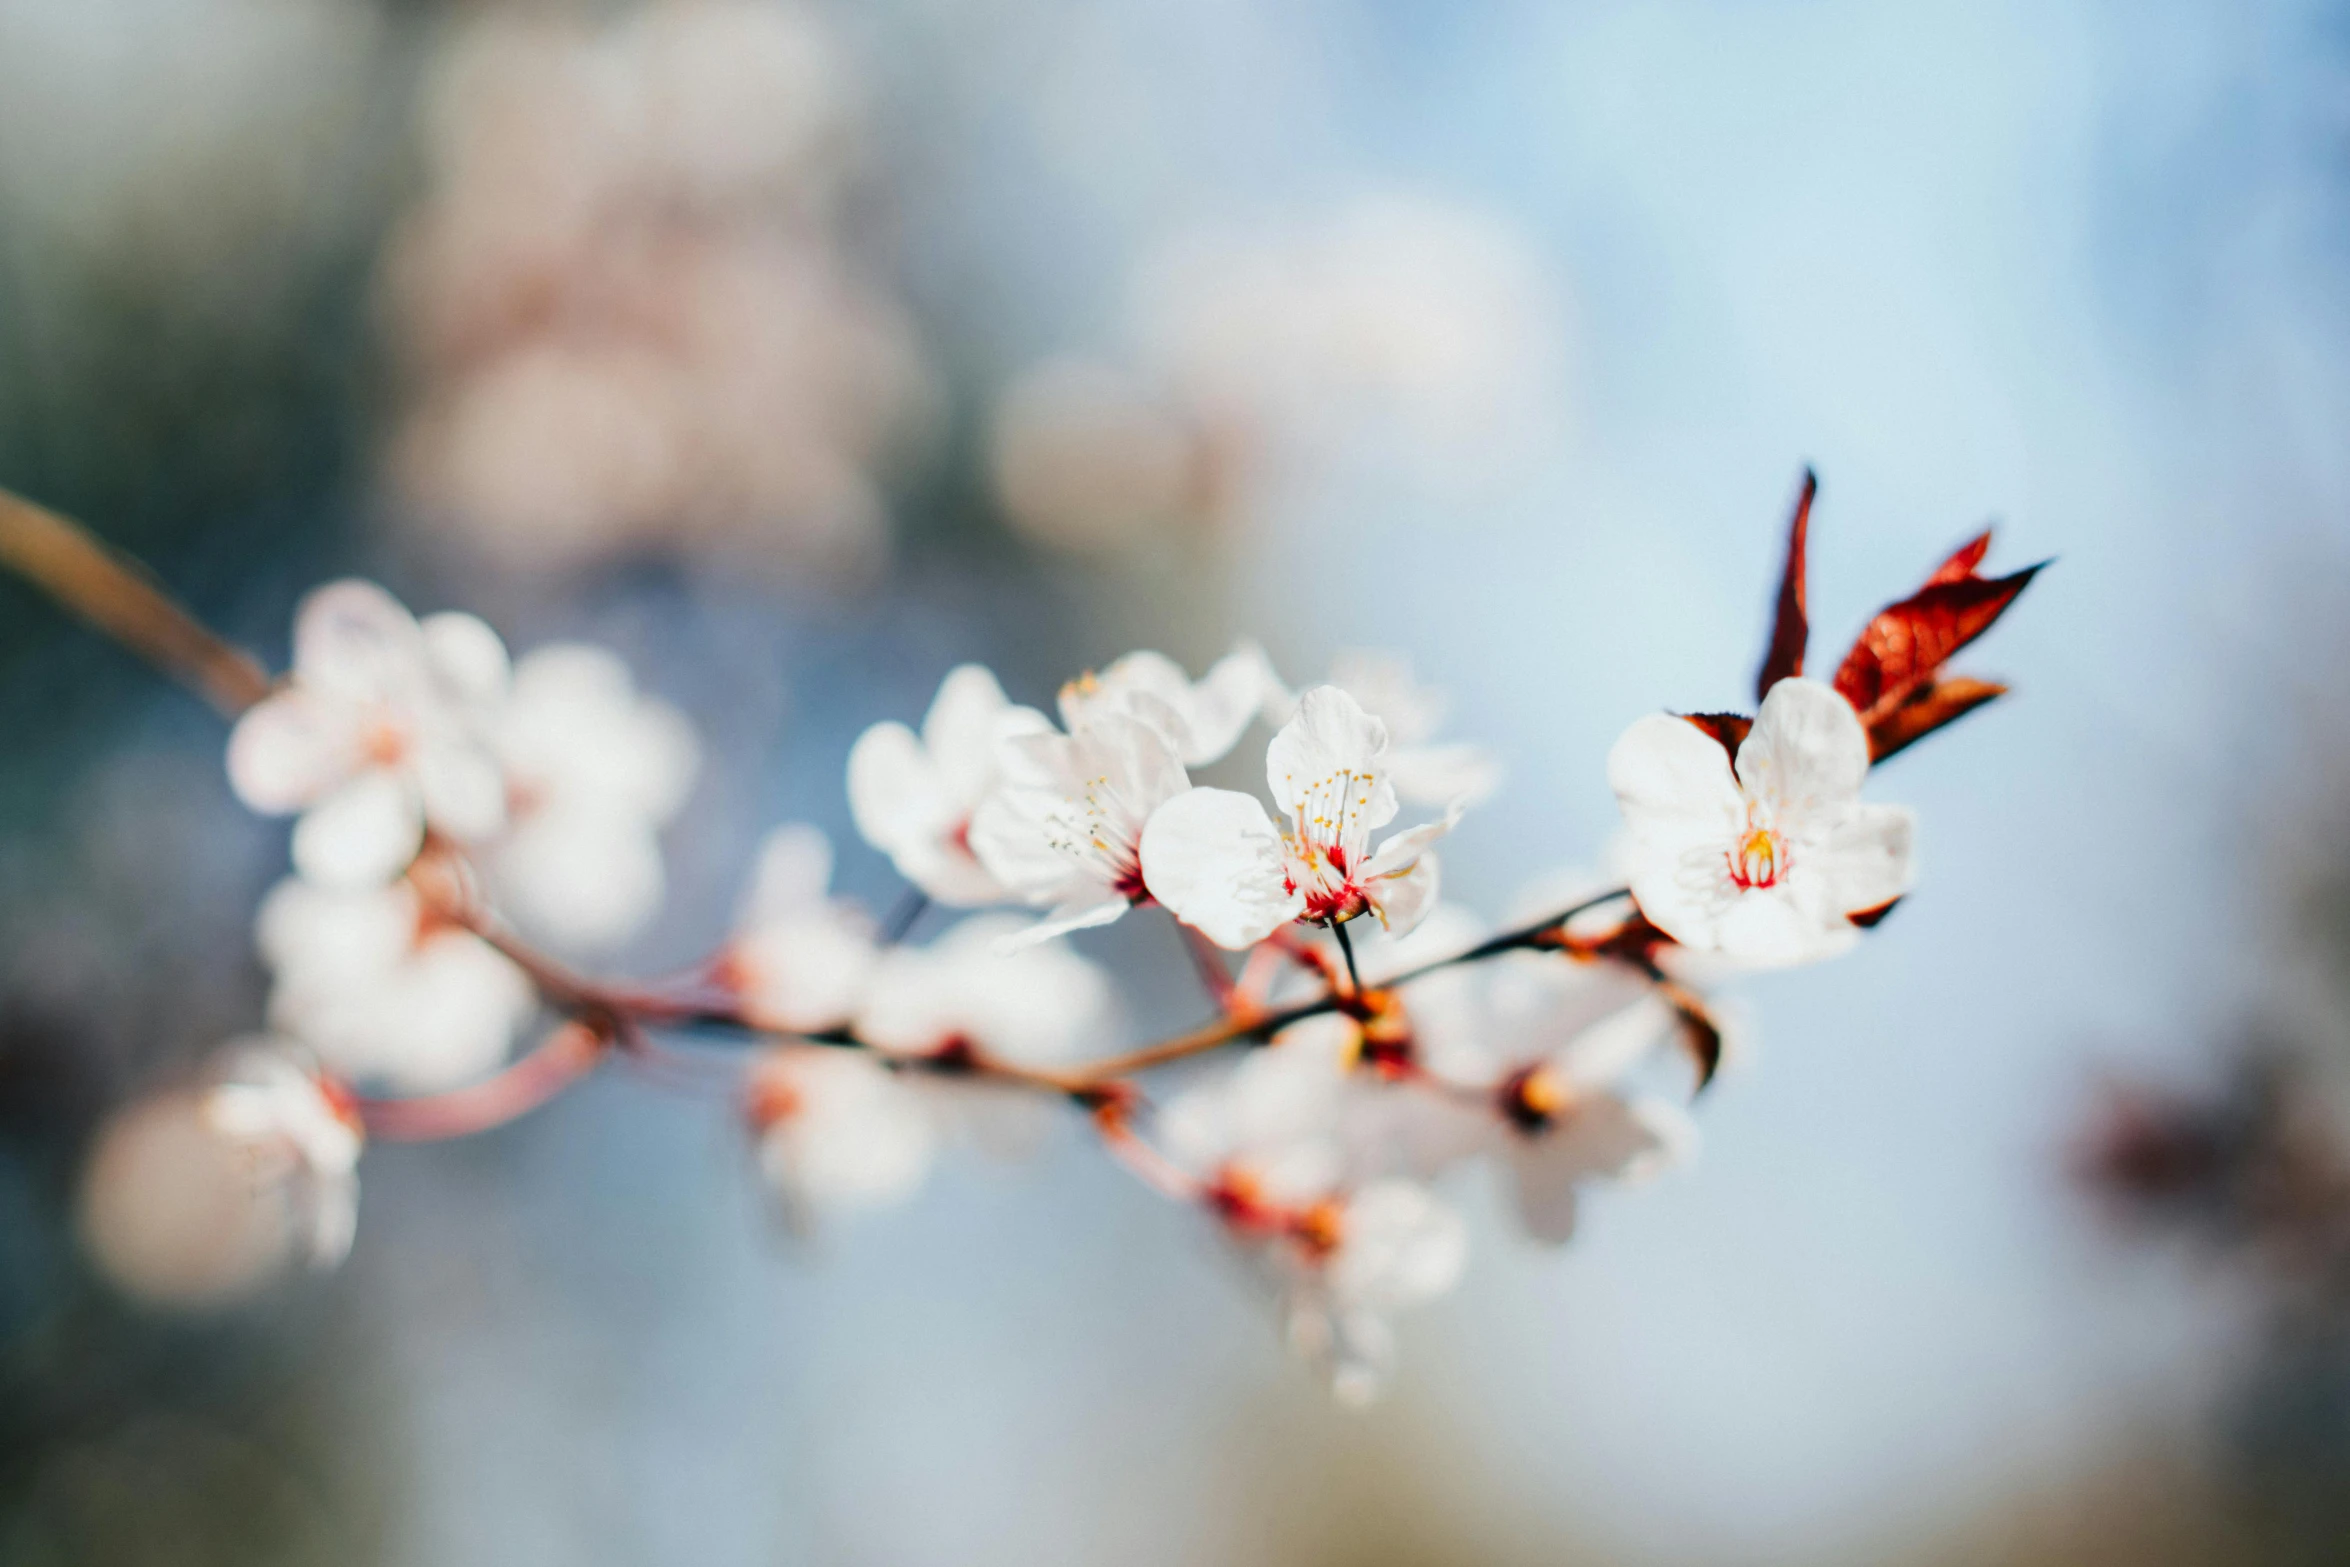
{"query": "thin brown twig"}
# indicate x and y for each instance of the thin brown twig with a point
(70, 564)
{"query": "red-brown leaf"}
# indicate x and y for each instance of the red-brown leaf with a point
(1700, 1034)
(1728, 730)
(1908, 642)
(1929, 708)
(1791, 625)
(1870, 919)
(1961, 565)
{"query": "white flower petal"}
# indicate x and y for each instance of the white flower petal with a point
(1402, 850)
(1398, 1247)
(1601, 1052)
(1213, 857)
(580, 878)
(1674, 783)
(1806, 755)
(960, 729)
(1327, 769)
(1865, 861)
(355, 642)
(1547, 1198)
(462, 790)
(1226, 700)
(363, 834)
(1403, 898)
(1779, 927)
(852, 1135)
(1383, 683)
(468, 657)
(287, 750)
(804, 973)
(894, 793)
(793, 875)
(1078, 914)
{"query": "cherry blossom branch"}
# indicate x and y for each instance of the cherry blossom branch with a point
(74, 567)
(70, 564)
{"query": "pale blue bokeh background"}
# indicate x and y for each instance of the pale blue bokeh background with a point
(2071, 266)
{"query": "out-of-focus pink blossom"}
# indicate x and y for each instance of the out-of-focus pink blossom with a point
(1410, 335)
(629, 318)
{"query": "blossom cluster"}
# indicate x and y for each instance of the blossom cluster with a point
(462, 817)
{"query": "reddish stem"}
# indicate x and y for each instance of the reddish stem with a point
(561, 1059)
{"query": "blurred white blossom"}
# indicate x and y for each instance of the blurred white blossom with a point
(914, 795)
(377, 734)
(302, 1138)
(839, 1132)
(1425, 770)
(628, 309)
(800, 961)
(593, 770)
(1395, 1246)
(196, 1197)
(1202, 719)
(383, 990)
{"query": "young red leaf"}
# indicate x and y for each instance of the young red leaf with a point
(1728, 730)
(1908, 642)
(1930, 707)
(1791, 625)
(1961, 565)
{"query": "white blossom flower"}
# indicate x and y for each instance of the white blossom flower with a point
(839, 1131)
(1063, 831)
(375, 736)
(1202, 720)
(1392, 1246)
(913, 796)
(302, 1136)
(1769, 861)
(1217, 861)
(593, 772)
(385, 992)
(800, 961)
(1425, 771)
